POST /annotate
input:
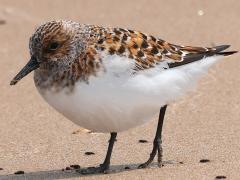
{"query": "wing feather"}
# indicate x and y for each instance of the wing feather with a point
(148, 51)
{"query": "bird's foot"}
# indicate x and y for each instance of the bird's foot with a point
(148, 163)
(157, 148)
(144, 165)
(103, 168)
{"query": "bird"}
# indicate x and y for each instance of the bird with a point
(112, 79)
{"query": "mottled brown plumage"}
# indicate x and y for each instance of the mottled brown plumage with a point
(68, 52)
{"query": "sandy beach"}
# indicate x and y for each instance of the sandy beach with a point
(203, 125)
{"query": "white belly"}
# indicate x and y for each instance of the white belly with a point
(116, 100)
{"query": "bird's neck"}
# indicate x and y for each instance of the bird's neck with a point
(56, 76)
(52, 76)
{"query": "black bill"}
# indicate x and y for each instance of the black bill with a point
(29, 67)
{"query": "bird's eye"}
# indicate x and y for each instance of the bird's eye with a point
(53, 46)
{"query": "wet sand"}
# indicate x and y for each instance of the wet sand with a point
(204, 125)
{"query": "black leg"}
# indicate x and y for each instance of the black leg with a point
(105, 165)
(157, 143)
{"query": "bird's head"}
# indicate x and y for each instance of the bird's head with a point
(53, 43)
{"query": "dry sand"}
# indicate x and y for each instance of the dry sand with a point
(204, 124)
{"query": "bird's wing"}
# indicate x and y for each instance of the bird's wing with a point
(148, 51)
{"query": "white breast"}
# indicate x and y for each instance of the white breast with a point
(116, 100)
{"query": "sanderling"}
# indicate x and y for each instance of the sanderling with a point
(112, 79)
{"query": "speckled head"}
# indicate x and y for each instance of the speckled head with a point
(53, 43)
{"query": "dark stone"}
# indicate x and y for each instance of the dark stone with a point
(220, 177)
(68, 168)
(19, 172)
(143, 141)
(89, 153)
(204, 160)
(75, 166)
(2, 22)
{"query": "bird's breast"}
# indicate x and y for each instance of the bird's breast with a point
(116, 100)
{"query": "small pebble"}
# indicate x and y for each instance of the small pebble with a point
(1, 169)
(19, 172)
(204, 160)
(221, 177)
(63, 169)
(75, 166)
(181, 162)
(2, 22)
(89, 153)
(200, 12)
(68, 168)
(81, 130)
(127, 167)
(142, 141)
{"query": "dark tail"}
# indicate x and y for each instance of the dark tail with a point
(198, 53)
(221, 48)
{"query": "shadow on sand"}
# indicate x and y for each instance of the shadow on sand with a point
(60, 174)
